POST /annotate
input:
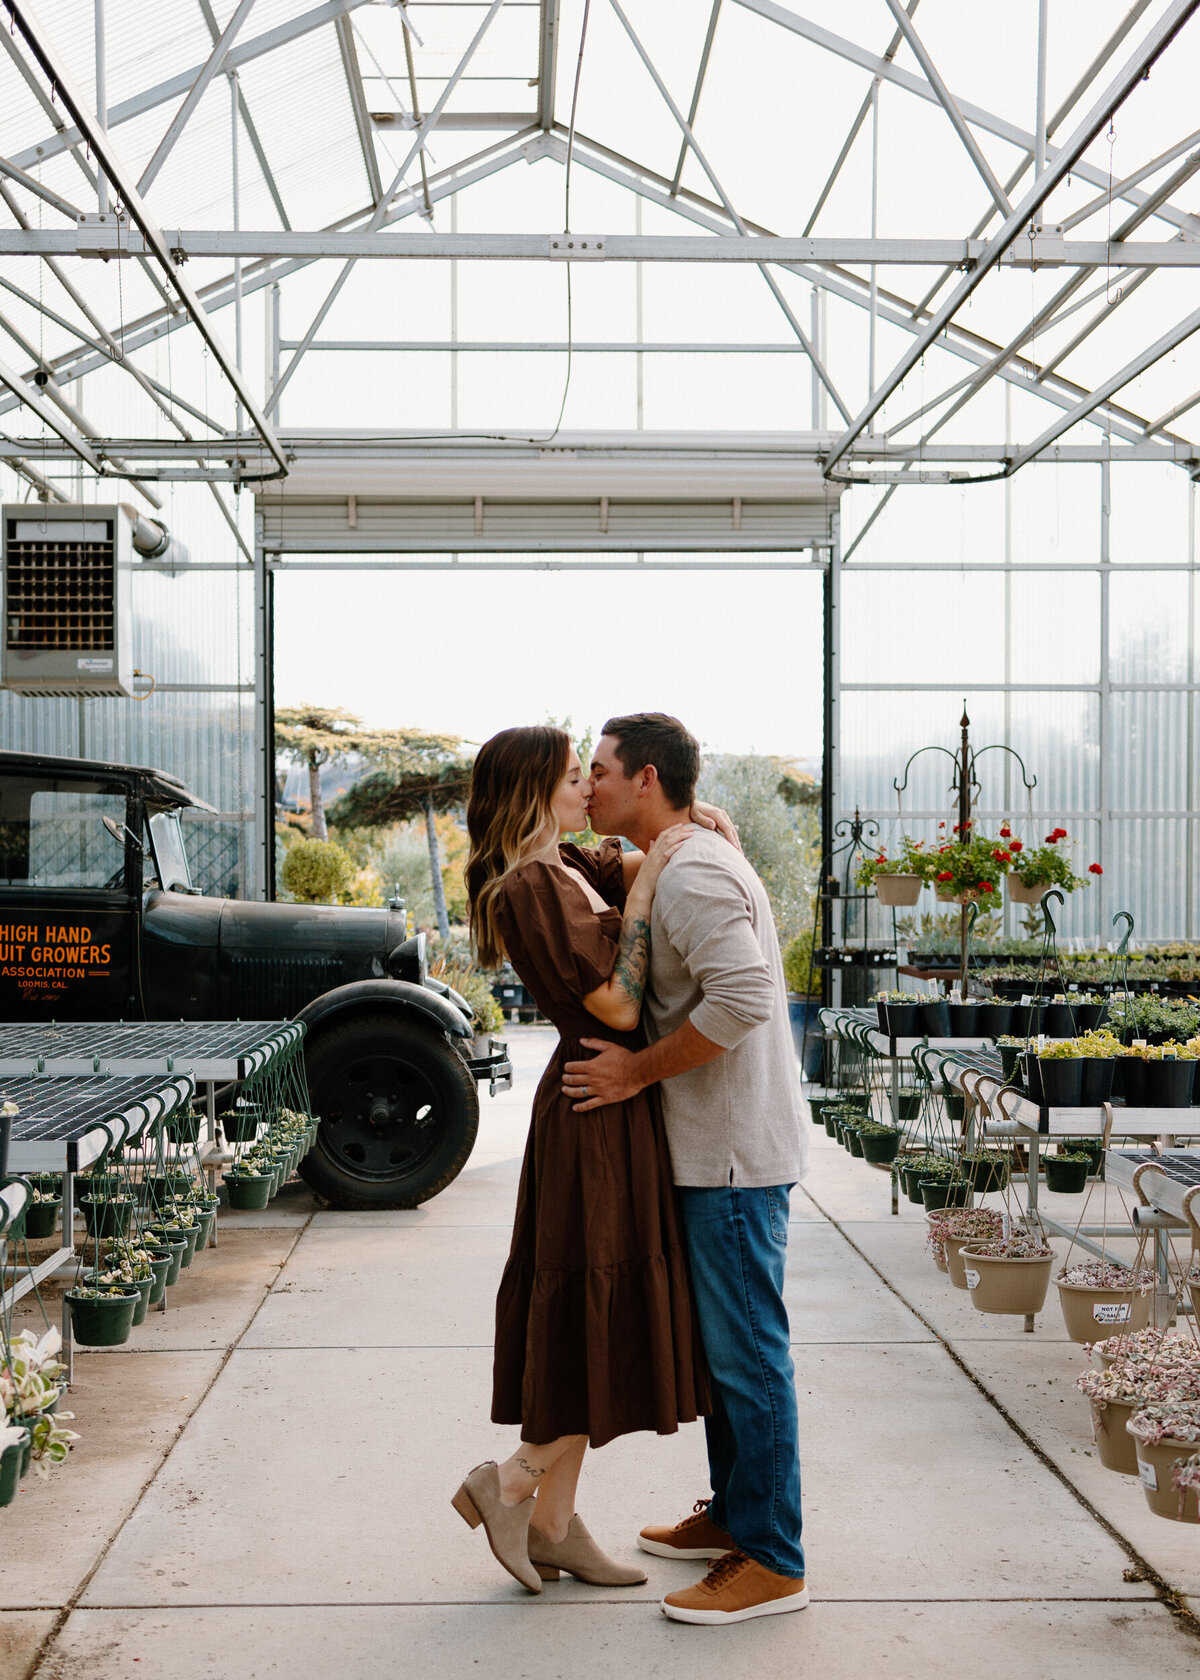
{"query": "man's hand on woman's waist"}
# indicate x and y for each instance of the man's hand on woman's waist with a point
(614, 1075)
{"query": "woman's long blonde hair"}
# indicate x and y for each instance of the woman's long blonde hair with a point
(508, 811)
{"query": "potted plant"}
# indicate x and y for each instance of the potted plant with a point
(41, 1213)
(106, 1216)
(1054, 1074)
(1099, 1294)
(969, 869)
(1032, 869)
(1012, 1049)
(897, 881)
(249, 1189)
(102, 1314)
(129, 1266)
(913, 1168)
(1067, 1172)
(1166, 1434)
(14, 1443)
(1169, 1075)
(942, 1186)
(935, 1235)
(933, 1018)
(897, 1013)
(986, 1169)
(804, 1004)
(908, 1104)
(966, 1226)
(240, 1123)
(1113, 1395)
(1010, 1275)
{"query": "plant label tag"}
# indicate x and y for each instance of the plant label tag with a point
(1147, 1475)
(972, 1277)
(1111, 1312)
(1026, 1000)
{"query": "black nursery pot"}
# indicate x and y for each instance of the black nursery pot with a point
(1011, 1056)
(881, 1014)
(1066, 1178)
(1062, 1082)
(934, 1018)
(964, 1020)
(1088, 1016)
(1131, 1074)
(1033, 1077)
(901, 1019)
(1169, 1084)
(994, 1019)
(1097, 1080)
(1059, 1021)
(1027, 1019)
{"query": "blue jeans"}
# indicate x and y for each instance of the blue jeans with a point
(737, 1246)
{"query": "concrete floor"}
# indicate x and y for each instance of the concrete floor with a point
(263, 1482)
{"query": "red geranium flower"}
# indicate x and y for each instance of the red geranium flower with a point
(1000, 856)
(1005, 831)
(1017, 846)
(1095, 869)
(986, 886)
(941, 825)
(946, 875)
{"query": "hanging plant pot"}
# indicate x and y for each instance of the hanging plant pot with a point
(935, 1218)
(1011, 1055)
(1092, 1314)
(176, 1244)
(1096, 1080)
(956, 1106)
(208, 1218)
(10, 1470)
(1169, 1083)
(160, 1265)
(934, 1018)
(144, 1287)
(1019, 893)
(898, 891)
(954, 1260)
(252, 1191)
(163, 1187)
(240, 1125)
(105, 1320)
(994, 1019)
(880, 1148)
(1155, 1461)
(104, 1219)
(191, 1236)
(1000, 1284)
(985, 1174)
(829, 1117)
(42, 1217)
(944, 1192)
(854, 1142)
(1114, 1445)
(185, 1128)
(1064, 1177)
(909, 1105)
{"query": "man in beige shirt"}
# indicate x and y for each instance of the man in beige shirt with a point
(716, 1013)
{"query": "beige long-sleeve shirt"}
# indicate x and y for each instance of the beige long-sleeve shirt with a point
(714, 960)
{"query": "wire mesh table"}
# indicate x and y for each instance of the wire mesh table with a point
(213, 1051)
(68, 1123)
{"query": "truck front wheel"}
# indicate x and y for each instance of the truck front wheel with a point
(398, 1110)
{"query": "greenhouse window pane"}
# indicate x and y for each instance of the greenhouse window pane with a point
(1148, 513)
(1148, 758)
(1055, 627)
(880, 732)
(1148, 627)
(1055, 512)
(1058, 738)
(1147, 871)
(922, 626)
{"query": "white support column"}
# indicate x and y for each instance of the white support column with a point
(101, 99)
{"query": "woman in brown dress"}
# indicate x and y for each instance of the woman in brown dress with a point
(594, 1330)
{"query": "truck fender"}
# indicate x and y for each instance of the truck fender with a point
(402, 995)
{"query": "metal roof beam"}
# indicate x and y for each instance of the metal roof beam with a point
(547, 72)
(1114, 96)
(177, 86)
(248, 123)
(974, 114)
(33, 185)
(210, 68)
(947, 102)
(701, 73)
(39, 44)
(358, 102)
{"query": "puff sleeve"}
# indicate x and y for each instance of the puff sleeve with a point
(551, 932)
(601, 867)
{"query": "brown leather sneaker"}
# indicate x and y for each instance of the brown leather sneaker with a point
(735, 1589)
(692, 1540)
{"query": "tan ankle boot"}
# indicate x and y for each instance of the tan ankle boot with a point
(580, 1556)
(506, 1526)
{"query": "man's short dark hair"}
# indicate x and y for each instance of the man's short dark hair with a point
(654, 738)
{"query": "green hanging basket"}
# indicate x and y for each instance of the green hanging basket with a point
(103, 1320)
(103, 1218)
(10, 1469)
(249, 1192)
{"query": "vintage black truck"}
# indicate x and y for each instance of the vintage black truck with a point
(99, 921)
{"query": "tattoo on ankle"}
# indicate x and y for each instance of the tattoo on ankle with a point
(529, 1469)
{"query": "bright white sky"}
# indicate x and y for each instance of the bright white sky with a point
(737, 658)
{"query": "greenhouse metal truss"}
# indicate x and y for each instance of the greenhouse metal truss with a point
(90, 183)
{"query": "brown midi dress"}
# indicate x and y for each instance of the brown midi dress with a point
(595, 1333)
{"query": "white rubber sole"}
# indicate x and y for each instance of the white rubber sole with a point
(698, 1554)
(776, 1607)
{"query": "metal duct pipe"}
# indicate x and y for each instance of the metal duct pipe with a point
(152, 539)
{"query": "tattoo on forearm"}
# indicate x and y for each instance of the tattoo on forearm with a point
(633, 958)
(530, 1470)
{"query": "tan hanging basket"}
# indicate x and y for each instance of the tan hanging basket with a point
(1092, 1314)
(1000, 1284)
(1115, 1446)
(954, 1260)
(1019, 893)
(1155, 1461)
(898, 892)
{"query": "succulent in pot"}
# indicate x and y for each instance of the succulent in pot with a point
(964, 1226)
(1010, 1275)
(1096, 1294)
(1167, 1434)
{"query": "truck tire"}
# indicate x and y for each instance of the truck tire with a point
(398, 1108)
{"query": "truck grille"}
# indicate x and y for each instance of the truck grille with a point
(268, 988)
(59, 593)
